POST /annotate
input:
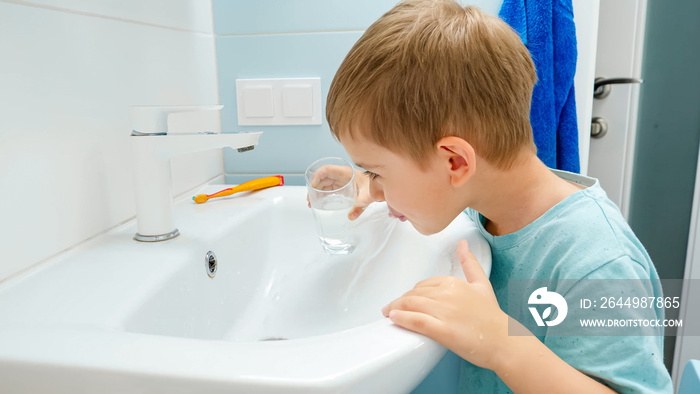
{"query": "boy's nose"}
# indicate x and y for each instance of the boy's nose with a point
(376, 191)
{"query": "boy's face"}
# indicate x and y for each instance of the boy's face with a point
(424, 197)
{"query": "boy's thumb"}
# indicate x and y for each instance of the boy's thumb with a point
(471, 267)
(356, 211)
(358, 208)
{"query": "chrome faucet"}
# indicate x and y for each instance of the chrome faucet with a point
(153, 148)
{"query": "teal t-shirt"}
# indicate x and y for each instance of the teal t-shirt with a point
(584, 236)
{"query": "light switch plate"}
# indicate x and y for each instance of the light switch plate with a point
(258, 102)
(278, 101)
(297, 101)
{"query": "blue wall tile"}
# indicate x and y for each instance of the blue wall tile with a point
(268, 16)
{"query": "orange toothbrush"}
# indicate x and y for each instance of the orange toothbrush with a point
(255, 184)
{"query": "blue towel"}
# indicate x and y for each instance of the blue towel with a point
(547, 29)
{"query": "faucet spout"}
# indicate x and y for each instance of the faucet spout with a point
(152, 154)
(167, 146)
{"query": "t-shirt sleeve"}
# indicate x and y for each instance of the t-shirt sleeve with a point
(627, 364)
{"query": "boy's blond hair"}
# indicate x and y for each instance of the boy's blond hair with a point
(428, 69)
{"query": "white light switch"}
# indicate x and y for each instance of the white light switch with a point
(297, 101)
(278, 101)
(257, 101)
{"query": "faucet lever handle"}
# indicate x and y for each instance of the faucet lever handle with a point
(153, 119)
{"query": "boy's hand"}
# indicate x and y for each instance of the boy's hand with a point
(337, 176)
(463, 316)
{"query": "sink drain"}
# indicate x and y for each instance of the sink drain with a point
(210, 263)
(273, 339)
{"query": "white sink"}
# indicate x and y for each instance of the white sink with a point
(116, 316)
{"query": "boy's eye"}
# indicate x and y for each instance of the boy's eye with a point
(371, 175)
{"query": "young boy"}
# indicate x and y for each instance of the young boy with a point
(433, 101)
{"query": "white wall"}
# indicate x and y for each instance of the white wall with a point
(586, 20)
(68, 71)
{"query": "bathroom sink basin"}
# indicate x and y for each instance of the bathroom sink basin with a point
(244, 300)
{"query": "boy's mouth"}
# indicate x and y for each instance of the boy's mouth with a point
(396, 214)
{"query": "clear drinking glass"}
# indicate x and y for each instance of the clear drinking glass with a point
(331, 186)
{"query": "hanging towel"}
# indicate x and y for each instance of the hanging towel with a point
(547, 28)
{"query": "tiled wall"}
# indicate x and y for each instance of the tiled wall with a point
(68, 71)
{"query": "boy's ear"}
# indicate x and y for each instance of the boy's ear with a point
(458, 157)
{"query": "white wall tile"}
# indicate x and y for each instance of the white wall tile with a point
(194, 15)
(66, 81)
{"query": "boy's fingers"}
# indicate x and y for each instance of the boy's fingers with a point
(413, 303)
(358, 208)
(472, 269)
(355, 212)
(330, 177)
(416, 322)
